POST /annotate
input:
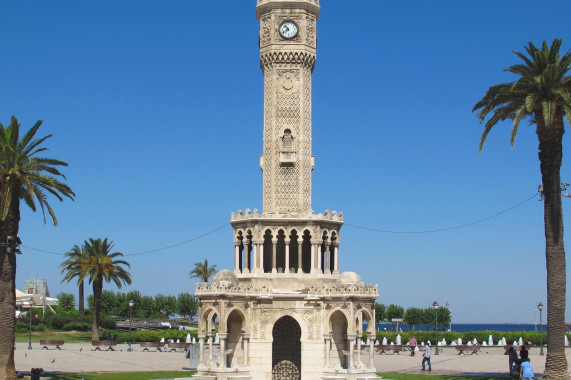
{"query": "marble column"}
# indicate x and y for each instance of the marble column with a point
(351, 343)
(371, 349)
(261, 254)
(201, 337)
(245, 339)
(327, 350)
(359, 336)
(299, 252)
(222, 358)
(255, 260)
(211, 335)
(327, 259)
(237, 257)
(274, 255)
(286, 270)
(314, 254)
(246, 256)
(336, 259)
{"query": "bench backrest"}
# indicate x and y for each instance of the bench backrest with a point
(49, 342)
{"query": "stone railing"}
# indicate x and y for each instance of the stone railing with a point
(249, 214)
(314, 292)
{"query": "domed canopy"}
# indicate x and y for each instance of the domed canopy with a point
(225, 278)
(347, 278)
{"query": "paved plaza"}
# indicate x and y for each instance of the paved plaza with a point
(77, 358)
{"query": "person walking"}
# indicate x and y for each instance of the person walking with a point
(512, 357)
(412, 344)
(426, 357)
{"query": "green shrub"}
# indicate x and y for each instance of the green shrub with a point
(106, 322)
(423, 336)
(77, 326)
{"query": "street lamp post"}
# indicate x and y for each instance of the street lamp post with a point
(131, 304)
(435, 306)
(30, 342)
(540, 307)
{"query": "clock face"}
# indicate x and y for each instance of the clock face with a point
(288, 29)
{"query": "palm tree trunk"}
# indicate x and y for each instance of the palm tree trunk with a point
(9, 227)
(81, 299)
(97, 290)
(550, 157)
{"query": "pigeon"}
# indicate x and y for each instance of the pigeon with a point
(53, 361)
(80, 349)
(26, 355)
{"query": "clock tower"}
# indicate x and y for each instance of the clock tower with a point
(288, 39)
(286, 295)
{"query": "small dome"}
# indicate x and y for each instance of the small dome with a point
(225, 278)
(347, 278)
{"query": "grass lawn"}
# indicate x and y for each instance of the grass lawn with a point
(123, 375)
(68, 336)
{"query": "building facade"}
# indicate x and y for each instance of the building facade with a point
(286, 311)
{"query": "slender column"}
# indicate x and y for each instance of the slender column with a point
(371, 349)
(274, 255)
(319, 254)
(246, 256)
(299, 252)
(336, 259)
(254, 256)
(222, 349)
(286, 270)
(262, 257)
(211, 345)
(359, 336)
(327, 259)
(237, 257)
(245, 339)
(327, 350)
(201, 337)
(312, 270)
(351, 342)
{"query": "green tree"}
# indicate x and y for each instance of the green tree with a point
(380, 310)
(187, 305)
(541, 93)
(72, 268)
(66, 301)
(394, 311)
(166, 305)
(413, 316)
(203, 271)
(101, 264)
(23, 176)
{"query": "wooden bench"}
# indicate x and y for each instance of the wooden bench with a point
(50, 342)
(104, 343)
(179, 346)
(465, 348)
(156, 345)
(395, 348)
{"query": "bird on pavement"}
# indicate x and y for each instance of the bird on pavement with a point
(80, 349)
(53, 361)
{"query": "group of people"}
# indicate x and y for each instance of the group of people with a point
(425, 355)
(520, 364)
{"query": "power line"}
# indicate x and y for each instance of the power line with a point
(446, 228)
(347, 224)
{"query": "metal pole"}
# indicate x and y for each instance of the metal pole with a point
(541, 325)
(130, 324)
(436, 331)
(30, 342)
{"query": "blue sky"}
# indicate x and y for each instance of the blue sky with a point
(157, 106)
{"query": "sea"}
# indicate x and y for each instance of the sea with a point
(463, 327)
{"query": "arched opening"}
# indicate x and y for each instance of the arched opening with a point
(248, 251)
(235, 326)
(280, 252)
(268, 249)
(306, 252)
(334, 245)
(286, 349)
(324, 253)
(240, 251)
(293, 251)
(338, 324)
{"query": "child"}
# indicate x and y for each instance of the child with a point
(526, 370)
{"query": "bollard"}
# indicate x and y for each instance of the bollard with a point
(36, 372)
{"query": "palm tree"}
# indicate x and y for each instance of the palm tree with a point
(542, 93)
(72, 269)
(100, 264)
(202, 271)
(25, 176)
